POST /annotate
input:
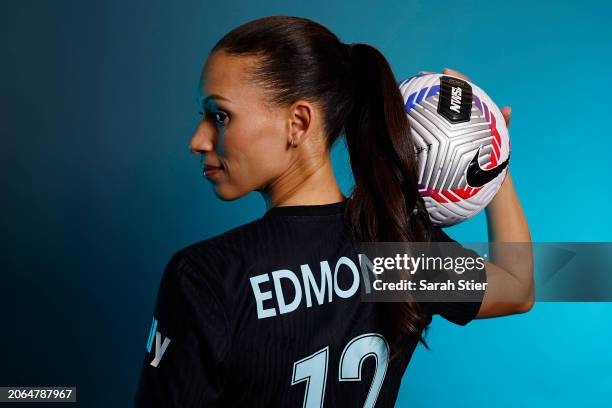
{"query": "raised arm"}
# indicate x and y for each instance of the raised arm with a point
(510, 272)
(510, 284)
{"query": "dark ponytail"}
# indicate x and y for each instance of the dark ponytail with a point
(385, 204)
(358, 94)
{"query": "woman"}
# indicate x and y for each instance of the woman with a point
(268, 313)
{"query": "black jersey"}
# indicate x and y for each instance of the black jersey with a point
(268, 315)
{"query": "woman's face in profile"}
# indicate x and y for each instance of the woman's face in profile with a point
(243, 142)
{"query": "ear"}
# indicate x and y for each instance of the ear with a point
(301, 120)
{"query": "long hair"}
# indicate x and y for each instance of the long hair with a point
(359, 96)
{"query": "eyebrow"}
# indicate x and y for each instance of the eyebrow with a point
(215, 96)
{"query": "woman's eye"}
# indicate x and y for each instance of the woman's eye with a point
(219, 118)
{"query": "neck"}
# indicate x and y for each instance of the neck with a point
(304, 185)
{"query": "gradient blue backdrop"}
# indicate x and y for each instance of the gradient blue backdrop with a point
(99, 189)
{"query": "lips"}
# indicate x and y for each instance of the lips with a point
(210, 170)
(211, 167)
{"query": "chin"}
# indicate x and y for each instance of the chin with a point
(227, 193)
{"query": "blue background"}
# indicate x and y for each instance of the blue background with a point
(99, 189)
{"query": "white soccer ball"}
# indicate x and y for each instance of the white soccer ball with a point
(463, 147)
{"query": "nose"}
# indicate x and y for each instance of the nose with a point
(203, 139)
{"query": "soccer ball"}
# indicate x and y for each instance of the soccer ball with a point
(462, 143)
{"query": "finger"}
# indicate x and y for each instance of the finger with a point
(455, 73)
(507, 113)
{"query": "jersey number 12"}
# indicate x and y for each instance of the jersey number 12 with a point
(313, 369)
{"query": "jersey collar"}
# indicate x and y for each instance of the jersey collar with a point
(307, 210)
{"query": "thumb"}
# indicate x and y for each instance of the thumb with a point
(507, 113)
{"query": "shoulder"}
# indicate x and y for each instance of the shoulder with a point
(210, 262)
(223, 247)
(201, 272)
